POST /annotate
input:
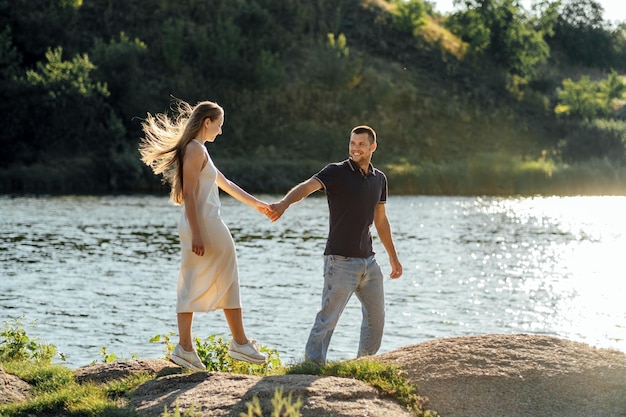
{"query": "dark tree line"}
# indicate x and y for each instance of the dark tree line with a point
(76, 77)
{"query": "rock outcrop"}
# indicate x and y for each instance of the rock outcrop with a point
(479, 376)
(13, 389)
(223, 394)
(515, 376)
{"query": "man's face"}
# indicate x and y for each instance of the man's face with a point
(361, 148)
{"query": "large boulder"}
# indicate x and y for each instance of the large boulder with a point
(515, 376)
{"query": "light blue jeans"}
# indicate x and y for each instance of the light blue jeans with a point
(342, 278)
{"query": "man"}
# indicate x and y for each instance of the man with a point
(356, 193)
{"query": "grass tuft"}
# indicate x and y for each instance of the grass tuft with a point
(389, 380)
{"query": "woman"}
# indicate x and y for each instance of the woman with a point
(208, 278)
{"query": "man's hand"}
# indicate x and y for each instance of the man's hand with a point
(396, 268)
(276, 210)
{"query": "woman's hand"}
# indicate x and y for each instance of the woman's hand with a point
(263, 208)
(197, 245)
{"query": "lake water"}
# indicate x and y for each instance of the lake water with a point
(99, 272)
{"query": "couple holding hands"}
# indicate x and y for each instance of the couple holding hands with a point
(208, 278)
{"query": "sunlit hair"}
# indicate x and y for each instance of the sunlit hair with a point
(365, 129)
(165, 139)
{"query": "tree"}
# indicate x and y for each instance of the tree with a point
(408, 16)
(500, 30)
(69, 113)
(613, 87)
(580, 99)
(587, 99)
(584, 37)
(545, 14)
(582, 14)
(38, 24)
(120, 64)
(11, 110)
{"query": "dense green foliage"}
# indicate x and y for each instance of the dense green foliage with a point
(294, 76)
(499, 31)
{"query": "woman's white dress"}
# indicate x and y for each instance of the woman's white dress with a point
(208, 282)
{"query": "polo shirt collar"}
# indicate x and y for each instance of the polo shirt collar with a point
(356, 168)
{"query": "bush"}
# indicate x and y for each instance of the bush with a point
(17, 346)
(213, 351)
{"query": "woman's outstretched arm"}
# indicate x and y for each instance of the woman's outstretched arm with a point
(240, 194)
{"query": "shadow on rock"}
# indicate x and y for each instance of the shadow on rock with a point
(223, 394)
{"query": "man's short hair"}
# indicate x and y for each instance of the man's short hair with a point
(365, 129)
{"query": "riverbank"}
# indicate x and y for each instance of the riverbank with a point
(482, 376)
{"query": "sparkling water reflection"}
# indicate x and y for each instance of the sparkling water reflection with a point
(101, 271)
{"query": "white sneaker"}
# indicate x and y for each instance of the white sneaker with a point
(189, 360)
(248, 352)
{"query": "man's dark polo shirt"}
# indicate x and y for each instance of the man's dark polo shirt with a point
(352, 198)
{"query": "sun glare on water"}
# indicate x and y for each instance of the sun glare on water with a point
(590, 257)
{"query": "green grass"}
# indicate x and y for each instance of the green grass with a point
(55, 391)
(389, 380)
(282, 405)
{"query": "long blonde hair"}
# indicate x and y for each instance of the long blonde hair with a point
(163, 146)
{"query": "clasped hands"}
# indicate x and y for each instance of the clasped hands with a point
(273, 211)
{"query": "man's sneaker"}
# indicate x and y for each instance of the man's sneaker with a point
(189, 360)
(248, 352)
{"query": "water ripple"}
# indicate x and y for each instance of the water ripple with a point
(101, 271)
